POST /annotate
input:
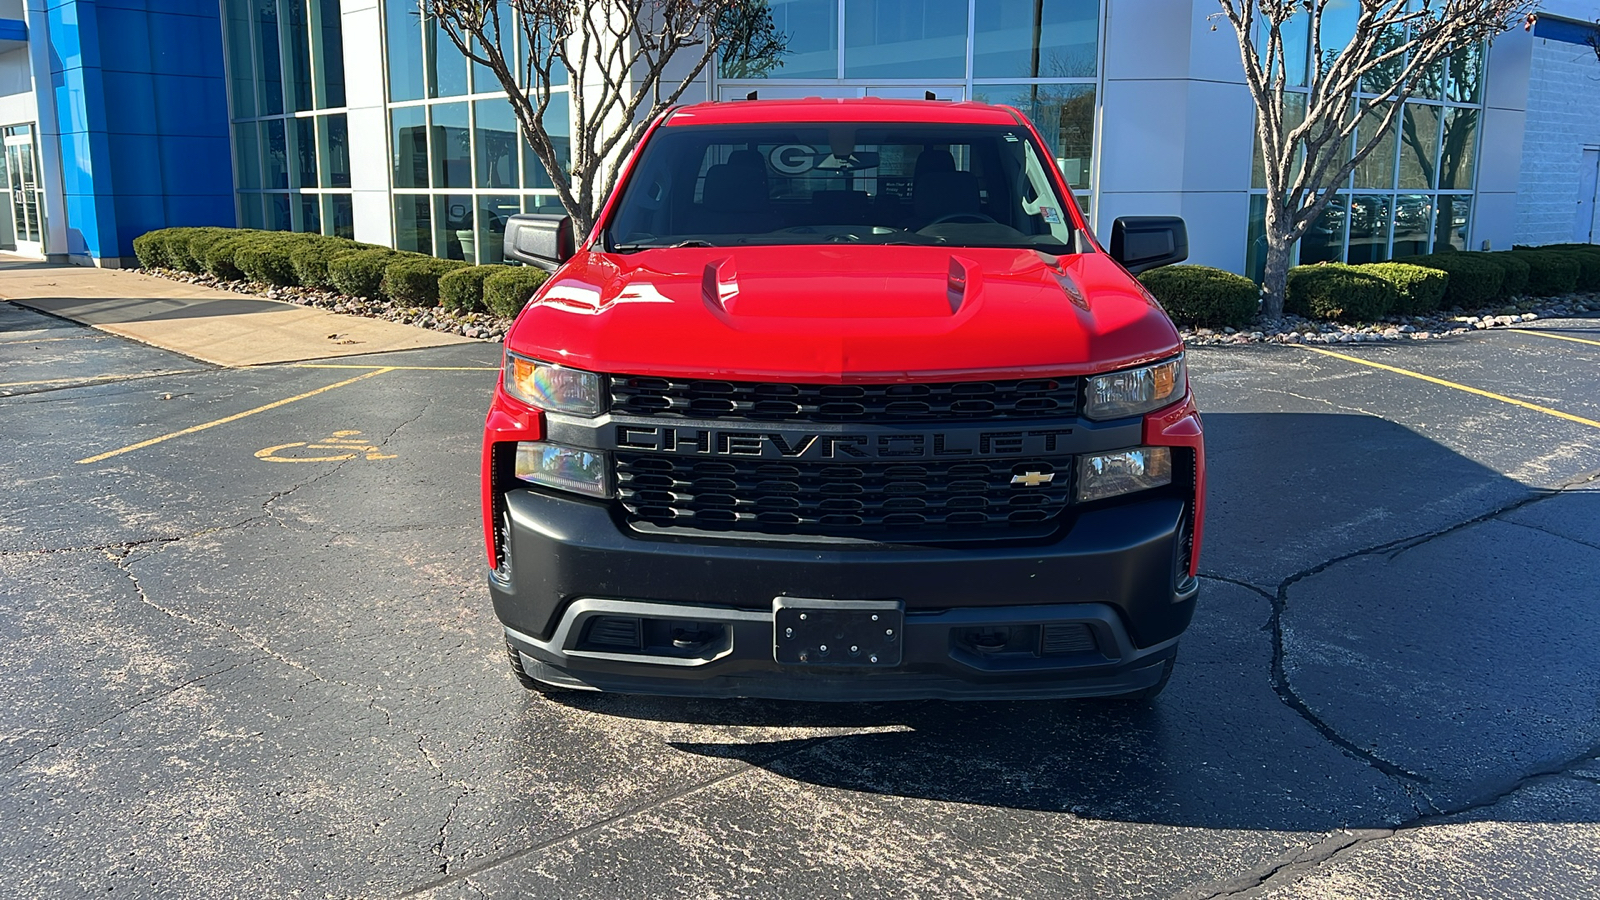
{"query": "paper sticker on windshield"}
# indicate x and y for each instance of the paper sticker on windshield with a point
(1050, 215)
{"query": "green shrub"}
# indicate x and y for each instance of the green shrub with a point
(415, 282)
(1474, 280)
(1588, 269)
(197, 252)
(1200, 295)
(462, 289)
(1337, 291)
(311, 260)
(219, 255)
(1515, 270)
(1418, 289)
(151, 248)
(168, 248)
(180, 249)
(360, 272)
(267, 257)
(1551, 273)
(506, 292)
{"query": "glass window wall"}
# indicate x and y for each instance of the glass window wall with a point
(1412, 194)
(328, 56)
(1042, 56)
(285, 62)
(460, 164)
(905, 39)
(1036, 39)
(452, 146)
(408, 140)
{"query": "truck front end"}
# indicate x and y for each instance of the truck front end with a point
(842, 402)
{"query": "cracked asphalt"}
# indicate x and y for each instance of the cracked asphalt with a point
(258, 658)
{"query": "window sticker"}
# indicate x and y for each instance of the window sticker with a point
(1050, 215)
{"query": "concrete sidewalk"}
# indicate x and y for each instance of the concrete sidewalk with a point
(213, 326)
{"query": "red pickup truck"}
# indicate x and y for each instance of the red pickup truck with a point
(842, 400)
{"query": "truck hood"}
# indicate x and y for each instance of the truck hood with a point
(842, 313)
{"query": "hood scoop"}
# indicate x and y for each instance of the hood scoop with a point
(963, 282)
(823, 292)
(719, 286)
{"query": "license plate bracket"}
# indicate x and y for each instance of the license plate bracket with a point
(860, 633)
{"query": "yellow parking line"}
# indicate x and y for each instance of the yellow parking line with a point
(233, 418)
(397, 368)
(1461, 387)
(1557, 337)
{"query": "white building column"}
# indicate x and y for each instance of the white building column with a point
(370, 160)
(1505, 119)
(47, 133)
(1177, 126)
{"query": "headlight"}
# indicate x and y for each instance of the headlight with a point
(566, 468)
(553, 388)
(1134, 392)
(1109, 474)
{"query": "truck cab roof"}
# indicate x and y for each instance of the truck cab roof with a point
(858, 109)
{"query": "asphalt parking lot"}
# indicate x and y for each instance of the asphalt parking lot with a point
(248, 651)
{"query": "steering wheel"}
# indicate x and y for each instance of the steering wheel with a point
(960, 217)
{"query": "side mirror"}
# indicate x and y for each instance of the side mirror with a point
(539, 239)
(1142, 243)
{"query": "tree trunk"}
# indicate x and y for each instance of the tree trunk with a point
(1274, 284)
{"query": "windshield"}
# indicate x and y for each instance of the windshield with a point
(955, 185)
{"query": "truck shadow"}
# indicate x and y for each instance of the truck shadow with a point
(1373, 717)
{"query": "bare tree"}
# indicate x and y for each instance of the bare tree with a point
(1396, 45)
(629, 60)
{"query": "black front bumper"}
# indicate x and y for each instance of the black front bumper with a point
(1111, 572)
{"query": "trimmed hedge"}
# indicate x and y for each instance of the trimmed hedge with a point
(311, 261)
(1474, 280)
(1418, 289)
(218, 255)
(505, 293)
(462, 289)
(266, 257)
(1551, 273)
(1514, 269)
(199, 248)
(1589, 271)
(360, 272)
(1200, 295)
(168, 248)
(1338, 291)
(154, 248)
(415, 282)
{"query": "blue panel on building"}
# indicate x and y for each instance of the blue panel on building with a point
(1566, 30)
(13, 30)
(143, 116)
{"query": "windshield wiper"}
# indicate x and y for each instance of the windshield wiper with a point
(634, 248)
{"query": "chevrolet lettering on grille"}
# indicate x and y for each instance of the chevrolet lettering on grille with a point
(799, 445)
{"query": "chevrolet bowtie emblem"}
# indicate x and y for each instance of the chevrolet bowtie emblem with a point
(1034, 479)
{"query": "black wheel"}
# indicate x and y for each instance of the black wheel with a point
(1151, 692)
(528, 681)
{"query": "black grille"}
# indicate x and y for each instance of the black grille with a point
(831, 498)
(1030, 399)
(1063, 640)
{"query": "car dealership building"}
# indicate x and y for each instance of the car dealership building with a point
(359, 118)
